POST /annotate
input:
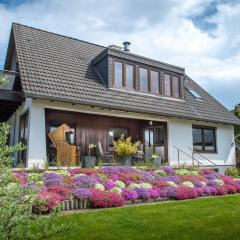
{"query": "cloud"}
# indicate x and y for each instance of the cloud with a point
(200, 35)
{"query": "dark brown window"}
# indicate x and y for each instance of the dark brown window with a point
(129, 76)
(23, 137)
(204, 139)
(143, 79)
(155, 83)
(118, 74)
(167, 85)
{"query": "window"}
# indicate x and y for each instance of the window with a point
(118, 74)
(129, 76)
(204, 139)
(167, 85)
(155, 86)
(23, 137)
(175, 87)
(143, 78)
(194, 93)
(115, 133)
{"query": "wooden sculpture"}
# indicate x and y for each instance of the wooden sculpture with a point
(66, 153)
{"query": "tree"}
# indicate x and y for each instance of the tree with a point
(236, 111)
(17, 220)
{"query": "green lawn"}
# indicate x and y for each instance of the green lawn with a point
(205, 219)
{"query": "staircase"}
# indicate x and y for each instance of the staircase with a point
(191, 159)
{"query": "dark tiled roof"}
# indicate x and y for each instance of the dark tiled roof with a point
(56, 67)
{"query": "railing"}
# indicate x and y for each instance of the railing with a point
(7, 79)
(205, 158)
(191, 156)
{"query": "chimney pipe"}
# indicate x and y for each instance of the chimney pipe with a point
(126, 46)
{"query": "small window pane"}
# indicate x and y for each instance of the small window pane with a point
(154, 82)
(115, 133)
(197, 139)
(175, 86)
(129, 76)
(118, 74)
(158, 136)
(143, 80)
(167, 85)
(209, 139)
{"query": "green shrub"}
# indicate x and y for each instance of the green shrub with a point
(232, 171)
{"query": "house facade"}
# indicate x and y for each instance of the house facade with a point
(104, 92)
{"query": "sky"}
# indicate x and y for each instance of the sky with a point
(203, 36)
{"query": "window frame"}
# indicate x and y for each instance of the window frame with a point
(202, 128)
(110, 127)
(124, 63)
(137, 80)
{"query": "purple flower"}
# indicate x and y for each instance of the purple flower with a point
(82, 193)
(168, 170)
(171, 192)
(143, 193)
(146, 176)
(52, 179)
(209, 191)
(175, 179)
(109, 184)
(129, 194)
(197, 184)
(85, 181)
(118, 169)
(154, 193)
(211, 176)
(163, 193)
(200, 191)
(211, 183)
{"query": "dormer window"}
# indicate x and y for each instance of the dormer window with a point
(143, 79)
(123, 75)
(148, 80)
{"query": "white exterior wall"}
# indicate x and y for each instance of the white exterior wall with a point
(180, 136)
(179, 133)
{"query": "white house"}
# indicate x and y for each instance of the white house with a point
(104, 92)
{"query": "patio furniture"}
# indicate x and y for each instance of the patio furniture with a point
(67, 155)
(139, 155)
(107, 157)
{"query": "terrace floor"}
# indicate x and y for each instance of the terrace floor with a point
(205, 218)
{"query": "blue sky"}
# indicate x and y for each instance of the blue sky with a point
(203, 36)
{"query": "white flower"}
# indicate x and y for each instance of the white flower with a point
(219, 182)
(203, 184)
(116, 190)
(120, 184)
(145, 185)
(188, 184)
(99, 186)
(133, 186)
(171, 184)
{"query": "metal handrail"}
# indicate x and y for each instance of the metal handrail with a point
(202, 156)
(192, 157)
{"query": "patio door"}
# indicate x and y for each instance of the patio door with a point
(154, 140)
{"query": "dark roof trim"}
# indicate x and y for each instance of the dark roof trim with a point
(139, 59)
(35, 96)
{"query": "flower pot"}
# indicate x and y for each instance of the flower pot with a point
(66, 205)
(89, 161)
(157, 161)
(75, 202)
(80, 203)
(127, 161)
(71, 205)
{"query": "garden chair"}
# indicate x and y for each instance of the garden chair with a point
(66, 153)
(107, 157)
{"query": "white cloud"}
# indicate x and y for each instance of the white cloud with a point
(157, 29)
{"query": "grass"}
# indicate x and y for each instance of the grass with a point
(206, 218)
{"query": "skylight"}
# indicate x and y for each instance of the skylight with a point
(195, 94)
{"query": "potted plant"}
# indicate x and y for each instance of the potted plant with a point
(90, 161)
(157, 159)
(124, 148)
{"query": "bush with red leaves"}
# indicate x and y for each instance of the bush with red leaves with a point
(228, 180)
(160, 184)
(64, 192)
(237, 186)
(106, 199)
(221, 190)
(186, 193)
(231, 189)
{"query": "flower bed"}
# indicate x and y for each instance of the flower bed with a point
(119, 185)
